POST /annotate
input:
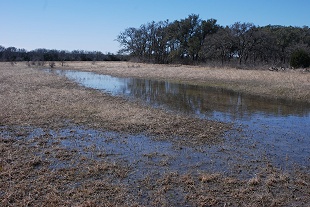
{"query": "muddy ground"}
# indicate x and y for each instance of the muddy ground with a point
(45, 119)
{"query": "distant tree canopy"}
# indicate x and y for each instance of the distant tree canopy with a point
(300, 59)
(13, 54)
(193, 40)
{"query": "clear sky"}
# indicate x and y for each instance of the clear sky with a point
(94, 24)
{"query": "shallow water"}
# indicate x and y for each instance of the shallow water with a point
(273, 130)
(143, 154)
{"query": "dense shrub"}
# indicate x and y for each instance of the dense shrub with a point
(300, 59)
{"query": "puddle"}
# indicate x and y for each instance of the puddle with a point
(274, 129)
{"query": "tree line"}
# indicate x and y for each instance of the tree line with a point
(12, 54)
(193, 40)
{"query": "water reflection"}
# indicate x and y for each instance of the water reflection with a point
(200, 100)
(277, 129)
(205, 100)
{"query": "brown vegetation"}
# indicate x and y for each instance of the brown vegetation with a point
(32, 97)
(269, 188)
(40, 171)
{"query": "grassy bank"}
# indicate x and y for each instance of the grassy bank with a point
(32, 97)
(289, 84)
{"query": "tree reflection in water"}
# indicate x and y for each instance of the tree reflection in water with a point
(281, 127)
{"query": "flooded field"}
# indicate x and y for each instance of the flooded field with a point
(70, 138)
(273, 130)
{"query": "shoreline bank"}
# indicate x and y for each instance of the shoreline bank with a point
(291, 85)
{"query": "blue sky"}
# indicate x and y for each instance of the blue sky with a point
(94, 24)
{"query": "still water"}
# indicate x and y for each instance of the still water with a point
(280, 128)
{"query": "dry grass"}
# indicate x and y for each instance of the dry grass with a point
(41, 172)
(290, 84)
(27, 178)
(32, 97)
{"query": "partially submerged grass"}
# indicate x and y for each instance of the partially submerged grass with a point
(28, 177)
(269, 188)
(32, 97)
(40, 171)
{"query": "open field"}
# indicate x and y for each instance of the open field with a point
(44, 121)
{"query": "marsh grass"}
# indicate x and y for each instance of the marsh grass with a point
(40, 171)
(28, 178)
(269, 188)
